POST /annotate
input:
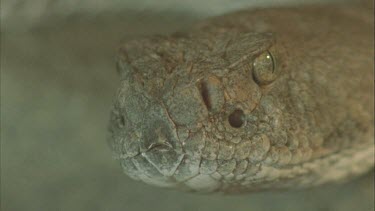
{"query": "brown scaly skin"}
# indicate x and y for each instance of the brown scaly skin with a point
(254, 100)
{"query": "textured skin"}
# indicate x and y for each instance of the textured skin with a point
(193, 112)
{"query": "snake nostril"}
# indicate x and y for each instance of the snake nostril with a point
(236, 118)
(205, 94)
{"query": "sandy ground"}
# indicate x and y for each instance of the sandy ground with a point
(57, 84)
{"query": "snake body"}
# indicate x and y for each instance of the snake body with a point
(259, 99)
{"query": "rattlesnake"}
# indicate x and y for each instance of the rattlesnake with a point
(254, 100)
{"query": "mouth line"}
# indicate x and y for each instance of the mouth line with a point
(161, 146)
(301, 165)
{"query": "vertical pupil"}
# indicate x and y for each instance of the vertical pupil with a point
(264, 69)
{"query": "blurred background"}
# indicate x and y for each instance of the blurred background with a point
(58, 80)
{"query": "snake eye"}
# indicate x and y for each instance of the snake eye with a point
(264, 68)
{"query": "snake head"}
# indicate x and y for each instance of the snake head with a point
(187, 113)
